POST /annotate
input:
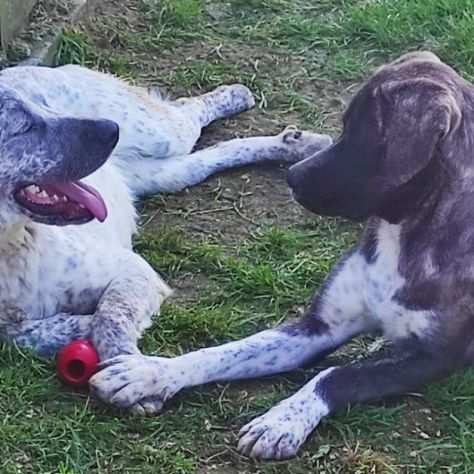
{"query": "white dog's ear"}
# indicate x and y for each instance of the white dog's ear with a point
(416, 115)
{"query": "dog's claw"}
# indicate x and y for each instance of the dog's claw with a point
(148, 407)
(291, 134)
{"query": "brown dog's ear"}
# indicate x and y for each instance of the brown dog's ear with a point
(414, 116)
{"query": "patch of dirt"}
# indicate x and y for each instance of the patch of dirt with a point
(229, 206)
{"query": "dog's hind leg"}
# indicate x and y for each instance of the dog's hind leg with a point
(45, 336)
(223, 102)
(147, 176)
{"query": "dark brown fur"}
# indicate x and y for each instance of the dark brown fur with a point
(406, 156)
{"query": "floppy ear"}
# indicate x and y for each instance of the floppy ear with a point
(415, 116)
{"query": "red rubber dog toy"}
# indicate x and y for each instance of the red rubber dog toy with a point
(77, 362)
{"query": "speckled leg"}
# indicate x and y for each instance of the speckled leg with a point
(179, 172)
(126, 308)
(223, 102)
(45, 336)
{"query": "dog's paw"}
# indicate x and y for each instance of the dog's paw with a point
(300, 144)
(240, 96)
(139, 383)
(279, 433)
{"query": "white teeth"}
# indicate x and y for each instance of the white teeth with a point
(82, 206)
(33, 189)
(49, 199)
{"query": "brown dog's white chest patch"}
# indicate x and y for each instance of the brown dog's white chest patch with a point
(383, 280)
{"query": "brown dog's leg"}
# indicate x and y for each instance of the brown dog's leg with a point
(280, 432)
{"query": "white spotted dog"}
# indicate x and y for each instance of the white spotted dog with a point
(77, 147)
(403, 161)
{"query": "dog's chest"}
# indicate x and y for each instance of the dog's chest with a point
(18, 278)
(382, 282)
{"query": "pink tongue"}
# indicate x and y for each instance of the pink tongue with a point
(85, 195)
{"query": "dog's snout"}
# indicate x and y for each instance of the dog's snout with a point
(81, 145)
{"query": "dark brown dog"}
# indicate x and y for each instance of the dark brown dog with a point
(405, 162)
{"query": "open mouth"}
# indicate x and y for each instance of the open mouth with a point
(61, 203)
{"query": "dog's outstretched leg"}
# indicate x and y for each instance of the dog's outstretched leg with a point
(147, 176)
(336, 315)
(223, 102)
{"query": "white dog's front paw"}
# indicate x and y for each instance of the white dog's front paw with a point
(136, 382)
(279, 433)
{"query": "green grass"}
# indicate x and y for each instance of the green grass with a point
(75, 48)
(301, 58)
(267, 277)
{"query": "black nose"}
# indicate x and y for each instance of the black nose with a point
(84, 144)
(108, 132)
